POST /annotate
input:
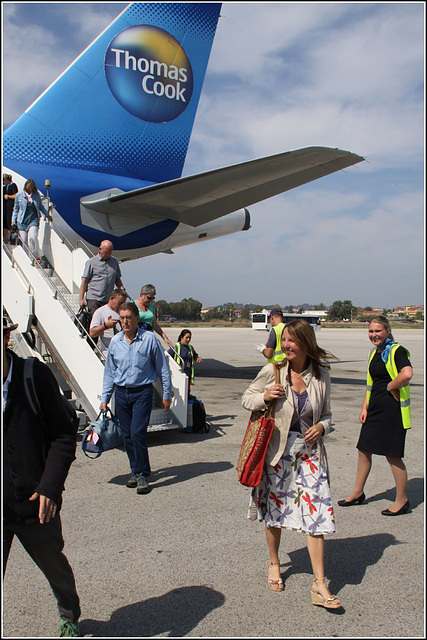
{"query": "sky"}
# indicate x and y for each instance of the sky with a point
(281, 76)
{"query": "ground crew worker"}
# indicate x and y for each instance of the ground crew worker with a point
(273, 350)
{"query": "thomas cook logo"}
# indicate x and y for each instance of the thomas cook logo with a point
(149, 73)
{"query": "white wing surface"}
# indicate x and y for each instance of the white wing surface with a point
(198, 199)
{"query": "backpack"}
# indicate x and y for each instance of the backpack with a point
(83, 316)
(199, 417)
(30, 392)
(14, 235)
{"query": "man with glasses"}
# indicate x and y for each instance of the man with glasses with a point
(135, 360)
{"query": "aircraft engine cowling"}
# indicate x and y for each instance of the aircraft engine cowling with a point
(186, 235)
(232, 223)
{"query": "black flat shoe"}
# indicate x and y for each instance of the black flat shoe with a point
(344, 503)
(402, 510)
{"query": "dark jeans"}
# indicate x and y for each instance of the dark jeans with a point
(133, 409)
(44, 543)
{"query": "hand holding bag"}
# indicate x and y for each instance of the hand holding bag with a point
(102, 434)
(255, 442)
(83, 316)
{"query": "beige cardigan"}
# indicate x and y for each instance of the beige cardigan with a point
(318, 393)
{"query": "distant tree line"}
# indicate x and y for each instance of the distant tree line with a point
(187, 309)
(228, 312)
(341, 310)
(190, 309)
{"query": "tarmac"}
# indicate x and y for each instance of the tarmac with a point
(185, 561)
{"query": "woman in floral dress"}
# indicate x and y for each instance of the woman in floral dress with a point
(294, 490)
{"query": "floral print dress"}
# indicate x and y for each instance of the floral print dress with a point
(295, 494)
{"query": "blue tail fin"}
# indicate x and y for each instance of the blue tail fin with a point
(126, 105)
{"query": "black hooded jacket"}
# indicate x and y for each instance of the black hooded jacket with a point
(35, 458)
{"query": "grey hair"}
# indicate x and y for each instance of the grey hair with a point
(130, 306)
(148, 288)
(116, 293)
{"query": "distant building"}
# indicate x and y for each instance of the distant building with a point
(410, 311)
(372, 312)
(322, 313)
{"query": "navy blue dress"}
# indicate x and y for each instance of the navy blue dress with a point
(383, 432)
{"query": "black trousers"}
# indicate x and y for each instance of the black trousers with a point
(44, 543)
(93, 305)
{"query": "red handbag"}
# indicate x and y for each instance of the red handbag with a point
(255, 442)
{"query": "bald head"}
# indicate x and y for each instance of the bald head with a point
(105, 249)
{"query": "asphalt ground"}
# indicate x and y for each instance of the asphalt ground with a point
(184, 560)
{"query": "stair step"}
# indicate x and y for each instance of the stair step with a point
(60, 287)
(73, 300)
(163, 427)
(82, 420)
(62, 290)
(159, 416)
(160, 421)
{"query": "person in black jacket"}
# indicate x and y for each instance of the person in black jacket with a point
(36, 461)
(9, 192)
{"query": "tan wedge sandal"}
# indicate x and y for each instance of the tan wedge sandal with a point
(317, 599)
(275, 584)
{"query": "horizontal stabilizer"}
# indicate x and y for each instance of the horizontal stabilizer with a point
(198, 199)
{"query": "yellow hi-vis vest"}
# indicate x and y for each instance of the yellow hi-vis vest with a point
(178, 359)
(278, 354)
(405, 399)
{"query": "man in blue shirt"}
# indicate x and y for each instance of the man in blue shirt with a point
(135, 360)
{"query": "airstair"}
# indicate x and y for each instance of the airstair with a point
(44, 299)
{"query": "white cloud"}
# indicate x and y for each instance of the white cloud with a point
(28, 70)
(304, 247)
(282, 76)
(90, 18)
(250, 35)
(336, 75)
(376, 59)
(32, 61)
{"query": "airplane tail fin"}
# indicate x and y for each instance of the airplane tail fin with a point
(127, 104)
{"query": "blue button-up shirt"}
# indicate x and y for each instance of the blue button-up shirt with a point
(133, 364)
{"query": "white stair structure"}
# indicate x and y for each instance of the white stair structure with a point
(43, 299)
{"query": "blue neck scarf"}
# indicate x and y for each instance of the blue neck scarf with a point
(384, 349)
